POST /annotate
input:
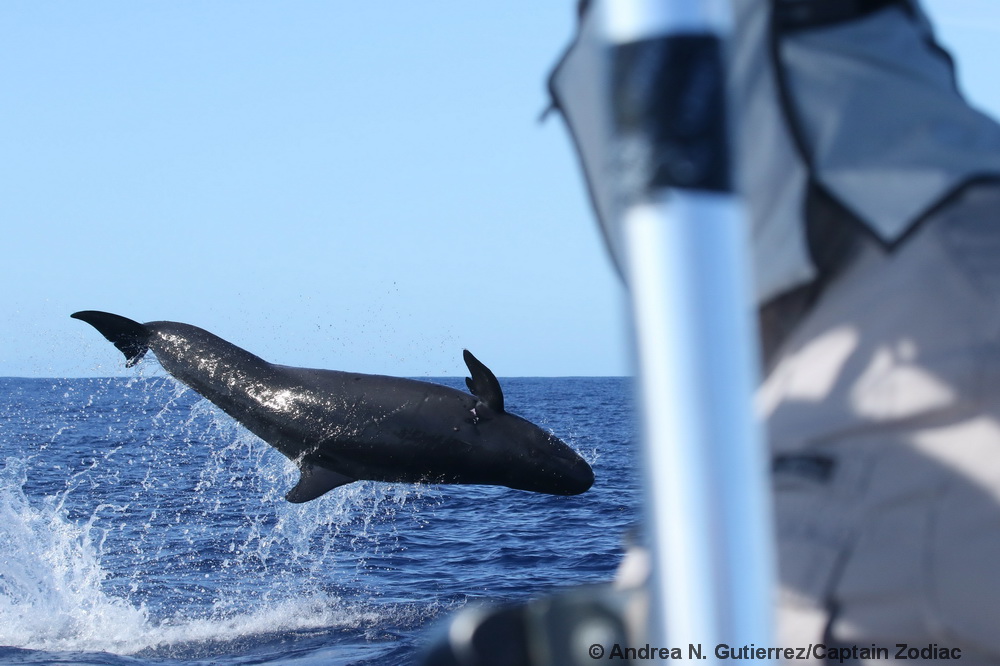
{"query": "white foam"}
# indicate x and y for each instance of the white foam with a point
(52, 593)
(50, 576)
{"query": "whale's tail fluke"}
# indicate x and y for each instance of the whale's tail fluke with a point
(130, 337)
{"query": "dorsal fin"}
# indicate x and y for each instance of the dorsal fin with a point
(483, 384)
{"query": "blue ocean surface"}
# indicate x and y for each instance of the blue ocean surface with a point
(141, 525)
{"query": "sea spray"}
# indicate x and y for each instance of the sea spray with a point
(51, 594)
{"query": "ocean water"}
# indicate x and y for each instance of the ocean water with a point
(141, 525)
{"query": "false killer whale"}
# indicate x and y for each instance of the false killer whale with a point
(339, 427)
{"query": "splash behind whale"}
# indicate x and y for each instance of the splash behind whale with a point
(340, 427)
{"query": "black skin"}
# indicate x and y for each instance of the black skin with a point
(341, 427)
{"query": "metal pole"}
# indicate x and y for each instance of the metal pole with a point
(684, 252)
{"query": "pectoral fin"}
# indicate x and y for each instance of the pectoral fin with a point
(315, 481)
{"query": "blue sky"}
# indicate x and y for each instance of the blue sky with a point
(358, 186)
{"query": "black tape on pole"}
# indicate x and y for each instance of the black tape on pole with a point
(669, 111)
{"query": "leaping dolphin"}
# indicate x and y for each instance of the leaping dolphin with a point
(339, 427)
